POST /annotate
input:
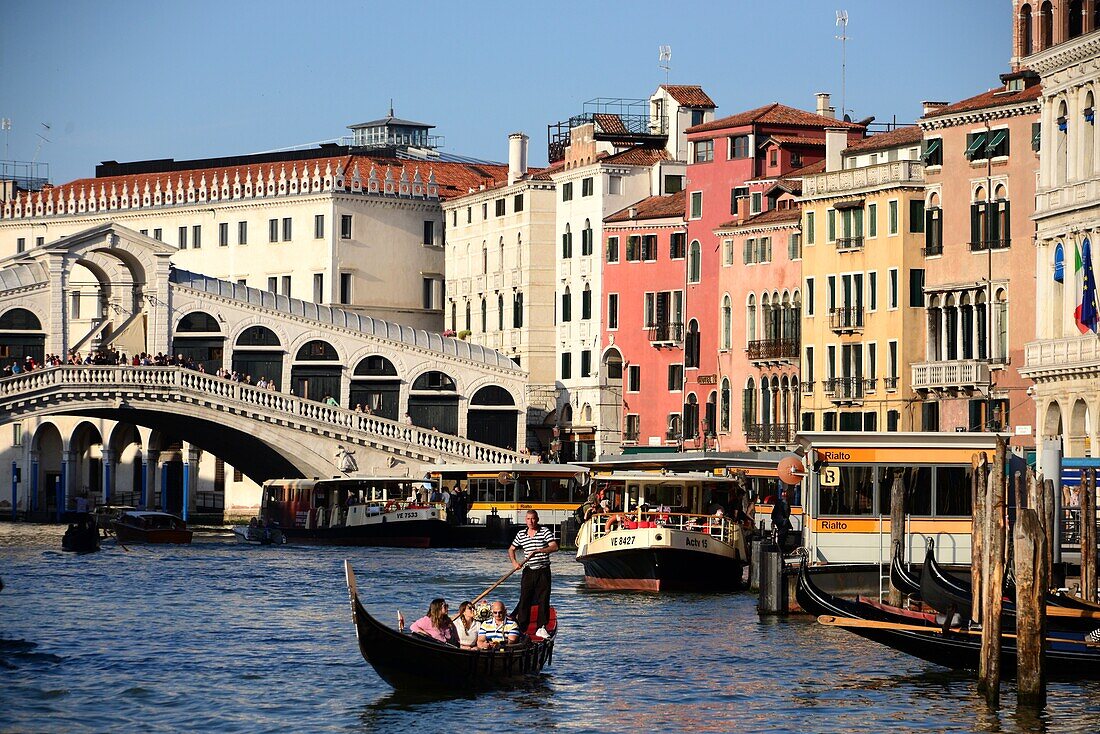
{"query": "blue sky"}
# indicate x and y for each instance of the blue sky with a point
(134, 80)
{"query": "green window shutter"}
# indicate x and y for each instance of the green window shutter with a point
(831, 224)
(1006, 235)
(975, 223)
(974, 144)
(916, 215)
(1036, 135)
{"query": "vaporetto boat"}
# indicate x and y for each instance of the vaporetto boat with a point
(661, 546)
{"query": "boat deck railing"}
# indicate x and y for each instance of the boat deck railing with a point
(337, 517)
(715, 526)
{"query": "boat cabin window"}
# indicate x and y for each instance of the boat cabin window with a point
(671, 495)
(855, 495)
(929, 491)
(490, 490)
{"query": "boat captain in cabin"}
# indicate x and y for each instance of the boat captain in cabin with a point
(537, 542)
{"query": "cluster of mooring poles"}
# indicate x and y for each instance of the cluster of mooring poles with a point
(1031, 555)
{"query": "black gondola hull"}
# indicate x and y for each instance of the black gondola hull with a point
(412, 663)
(662, 569)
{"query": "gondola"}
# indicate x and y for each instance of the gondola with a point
(941, 591)
(411, 662)
(82, 537)
(902, 578)
(1066, 652)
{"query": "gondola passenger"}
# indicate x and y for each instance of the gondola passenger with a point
(467, 626)
(436, 624)
(499, 629)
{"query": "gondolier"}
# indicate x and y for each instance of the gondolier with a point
(537, 543)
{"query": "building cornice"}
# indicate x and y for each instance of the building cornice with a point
(984, 114)
(479, 196)
(1083, 48)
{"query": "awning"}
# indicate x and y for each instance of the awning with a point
(933, 145)
(848, 204)
(975, 145)
(998, 138)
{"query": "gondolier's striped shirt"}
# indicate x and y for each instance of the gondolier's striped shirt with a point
(542, 538)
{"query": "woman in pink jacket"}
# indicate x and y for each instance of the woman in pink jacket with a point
(436, 624)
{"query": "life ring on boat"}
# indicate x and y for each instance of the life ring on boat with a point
(390, 506)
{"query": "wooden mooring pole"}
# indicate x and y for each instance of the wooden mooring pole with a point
(897, 529)
(989, 674)
(977, 532)
(1088, 534)
(1032, 581)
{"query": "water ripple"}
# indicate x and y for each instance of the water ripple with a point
(219, 637)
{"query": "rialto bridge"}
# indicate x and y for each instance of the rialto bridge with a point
(346, 393)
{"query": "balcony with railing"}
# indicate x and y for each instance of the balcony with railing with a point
(870, 384)
(849, 244)
(844, 389)
(931, 250)
(983, 245)
(846, 320)
(773, 350)
(771, 434)
(667, 333)
(807, 387)
(864, 178)
(1080, 354)
(953, 375)
(890, 383)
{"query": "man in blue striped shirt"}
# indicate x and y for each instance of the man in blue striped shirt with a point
(537, 543)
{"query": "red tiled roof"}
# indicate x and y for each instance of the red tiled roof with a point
(609, 123)
(772, 216)
(992, 98)
(899, 136)
(546, 173)
(818, 167)
(689, 95)
(795, 140)
(453, 179)
(655, 207)
(776, 114)
(637, 156)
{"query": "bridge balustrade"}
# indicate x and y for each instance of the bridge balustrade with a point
(269, 401)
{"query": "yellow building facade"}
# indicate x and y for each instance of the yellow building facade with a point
(862, 285)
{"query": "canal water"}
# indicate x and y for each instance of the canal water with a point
(220, 637)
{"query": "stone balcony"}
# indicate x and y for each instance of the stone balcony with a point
(866, 178)
(1065, 356)
(953, 375)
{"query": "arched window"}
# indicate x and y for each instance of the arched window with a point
(567, 243)
(484, 259)
(695, 265)
(317, 351)
(454, 316)
(468, 322)
(258, 336)
(1061, 143)
(484, 316)
(586, 303)
(198, 321)
(566, 306)
(1076, 21)
(500, 312)
(519, 251)
(724, 412)
(586, 238)
(727, 322)
(1025, 30)
(691, 345)
(1088, 135)
(20, 319)
(1000, 320)
(748, 406)
(517, 310)
(691, 417)
(1046, 26)
(750, 318)
(1057, 307)
(500, 260)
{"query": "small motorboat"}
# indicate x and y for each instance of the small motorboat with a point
(258, 535)
(413, 662)
(82, 536)
(141, 526)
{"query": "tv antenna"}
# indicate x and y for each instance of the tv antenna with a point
(664, 59)
(842, 24)
(41, 139)
(5, 126)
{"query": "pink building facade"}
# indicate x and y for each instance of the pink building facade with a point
(762, 146)
(643, 275)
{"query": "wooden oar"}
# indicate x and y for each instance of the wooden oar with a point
(500, 581)
(831, 621)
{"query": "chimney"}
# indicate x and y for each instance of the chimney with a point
(836, 140)
(931, 108)
(517, 157)
(823, 107)
(632, 212)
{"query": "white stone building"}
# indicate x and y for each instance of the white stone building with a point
(500, 272)
(1064, 361)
